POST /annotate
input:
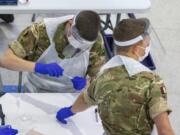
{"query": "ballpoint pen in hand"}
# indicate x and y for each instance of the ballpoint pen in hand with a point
(96, 114)
(67, 76)
(78, 82)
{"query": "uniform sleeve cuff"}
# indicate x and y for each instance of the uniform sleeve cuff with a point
(159, 108)
(17, 49)
(87, 99)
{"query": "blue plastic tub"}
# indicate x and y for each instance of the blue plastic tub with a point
(11, 89)
(8, 2)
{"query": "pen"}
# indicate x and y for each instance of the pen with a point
(68, 76)
(96, 114)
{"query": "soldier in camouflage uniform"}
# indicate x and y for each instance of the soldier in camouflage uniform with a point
(36, 39)
(130, 97)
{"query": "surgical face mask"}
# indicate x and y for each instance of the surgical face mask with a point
(69, 51)
(147, 50)
(76, 44)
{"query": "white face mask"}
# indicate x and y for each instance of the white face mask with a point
(76, 44)
(73, 41)
(147, 50)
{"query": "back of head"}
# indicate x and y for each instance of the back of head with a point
(88, 25)
(128, 30)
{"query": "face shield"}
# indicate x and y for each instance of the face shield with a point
(157, 50)
(153, 49)
(76, 40)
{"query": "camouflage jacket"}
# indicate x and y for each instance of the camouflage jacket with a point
(127, 105)
(33, 41)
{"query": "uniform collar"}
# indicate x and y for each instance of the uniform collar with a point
(132, 66)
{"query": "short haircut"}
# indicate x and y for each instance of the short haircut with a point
(128, 29)
(88, 25)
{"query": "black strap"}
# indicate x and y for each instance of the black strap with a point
(1, 93)
(2, 116)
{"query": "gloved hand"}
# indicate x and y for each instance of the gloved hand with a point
(52, 69)
(64, 113)
(7, 130)
(78, 82)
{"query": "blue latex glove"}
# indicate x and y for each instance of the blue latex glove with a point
(63, 114)
(78, 82)
(52, 69)
(7, 130)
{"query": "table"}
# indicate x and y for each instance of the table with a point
(40, 110)
(74, 6)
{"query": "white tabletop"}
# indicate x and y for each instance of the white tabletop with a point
(41, 110)
(74, 6)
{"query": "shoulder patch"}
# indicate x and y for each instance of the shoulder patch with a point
(163, 89)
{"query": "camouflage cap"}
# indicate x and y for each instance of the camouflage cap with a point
(128, 29)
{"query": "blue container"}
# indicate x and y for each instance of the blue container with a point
(8, 2)
(148, 61)
(11, 89)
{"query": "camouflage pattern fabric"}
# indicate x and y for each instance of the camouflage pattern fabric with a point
(33, 41)
(127, 105)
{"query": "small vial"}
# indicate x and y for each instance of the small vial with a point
(23, 1)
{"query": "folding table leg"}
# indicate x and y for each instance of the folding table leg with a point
(118, 18)
(33, 18)
(107, 23)
(20, 82)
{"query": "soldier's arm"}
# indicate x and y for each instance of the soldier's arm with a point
(10, 61)
(158, 107)
(19, 49)
(27, 41)
(163, 125)
(97, 57)
(85, 100)
(80, 104)
(98, 89)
